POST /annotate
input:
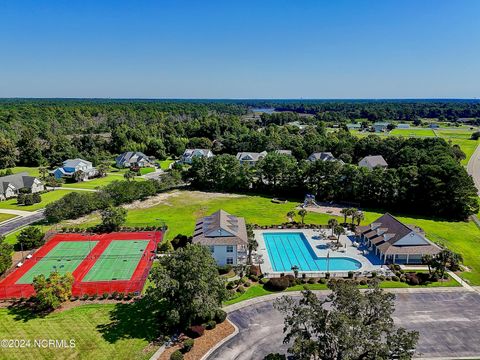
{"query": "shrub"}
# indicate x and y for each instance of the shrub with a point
(311, 281)
(176, 355)
(120, 296)
(220, 316)
(263, 281)
(85, 297)
(327, 275)
(322, 281)
(105, 295)
(395, 278)
(243, 280)
(210, 325)
(363, 282)
(412, 279)
(374, 274)
(241, 289)
(350, 274)
(196, 331)
(275, 356)
(253, 277)
(278, 284)
(230, 285)
(225, 269)
(187, 345)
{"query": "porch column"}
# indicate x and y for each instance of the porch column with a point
(394, 256)
(406, 262)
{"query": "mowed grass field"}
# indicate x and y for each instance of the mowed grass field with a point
(90, 326)
(95, 183)
(47, 198)
(413, 132)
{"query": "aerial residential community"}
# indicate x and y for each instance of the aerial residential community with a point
(240, 180)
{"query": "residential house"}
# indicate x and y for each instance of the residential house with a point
(395, 242)
(324, 156)
(225, 235)
(354, 126)
(283, 152)
(372, 162)
(380, 126)
(72, 166)
(133, 158)
(403, 126)
(11, 185)
(250, 158)
(433, 126)
(190, 154)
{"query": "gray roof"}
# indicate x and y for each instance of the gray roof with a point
(190, 152)
(20, 180)
(324, 156)
(220, 228)
(73, 163)
(131, 156)
(375, 160)
(251, 156)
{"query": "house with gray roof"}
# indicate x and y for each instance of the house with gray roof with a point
(372, 162)
(225, 235)
(11, 185)
(250, 158)
(380, 126)
(133, 158)
(323, 156)
(72, 166)
(396, 243)
(190, 154)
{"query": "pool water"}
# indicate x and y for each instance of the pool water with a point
(288, 249)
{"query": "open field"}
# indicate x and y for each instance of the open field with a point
(47, 198)
(32, 171)
(413, 132)
(90, 326)
(94, 183)
(164, 164)
(5, 217)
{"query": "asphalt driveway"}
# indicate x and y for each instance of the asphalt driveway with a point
(448, 322)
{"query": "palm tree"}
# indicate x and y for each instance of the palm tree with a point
(345, 212)
(427, 259)
(332, 223)
(295, 269)
(43, 172)
(302, 213)
(339, 230)
(252, 244)
(291, 215)
(352, 213)
(359, 216)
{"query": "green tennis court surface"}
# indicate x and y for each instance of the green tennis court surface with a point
(118, 261)
(64, 257)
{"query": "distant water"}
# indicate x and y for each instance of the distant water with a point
(263, 110)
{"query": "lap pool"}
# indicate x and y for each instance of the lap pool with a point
(288, 249)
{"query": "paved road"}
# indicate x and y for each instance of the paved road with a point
(10, 226)
(473, 167)
(448, 322)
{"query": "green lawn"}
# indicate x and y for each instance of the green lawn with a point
(413, 132)
(458, 133)
(164, 164)
(5, 217)
(47, 198)
(32, 171)
(90, 326)
(146, 170)
(467, 146)
(94, 183)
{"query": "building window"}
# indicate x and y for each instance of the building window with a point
(229, 261)
(229, 249)
(212, 249)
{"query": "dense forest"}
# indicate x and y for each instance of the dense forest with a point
(424, 176)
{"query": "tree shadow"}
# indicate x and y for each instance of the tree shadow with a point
(139, 319)
(26, 311)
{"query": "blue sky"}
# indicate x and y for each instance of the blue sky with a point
(240, 49)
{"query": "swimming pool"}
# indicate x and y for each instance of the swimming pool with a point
(288, 249)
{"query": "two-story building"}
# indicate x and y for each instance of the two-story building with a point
(73, 166)
(225, 235)
(132, 159)
(11, 185)
(190, 154)
(250, 158)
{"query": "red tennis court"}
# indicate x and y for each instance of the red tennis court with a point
(92, 255)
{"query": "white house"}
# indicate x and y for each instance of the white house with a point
(190, 154)
(372, 162)
(10, 185)
(133, 158)
(72, 166)
(395, 242)
(380, 126)
(250, 158)
(225, 235)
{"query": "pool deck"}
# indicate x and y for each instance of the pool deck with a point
(319, 245)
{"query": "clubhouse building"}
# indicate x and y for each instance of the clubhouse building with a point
(225, 235)
(395, 242)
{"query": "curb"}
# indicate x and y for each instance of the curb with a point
(157, 353)
(221, 342)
